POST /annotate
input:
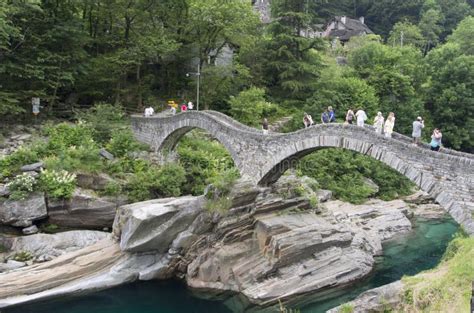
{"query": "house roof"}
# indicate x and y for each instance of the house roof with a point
(353, 28)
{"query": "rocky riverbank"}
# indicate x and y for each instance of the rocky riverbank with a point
(273, 244)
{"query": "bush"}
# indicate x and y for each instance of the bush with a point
(123, 142)
(11, 164)
(104, 119)
(156, 182)
(21, 186)
(250, 106)
(217, 197)
(202, 159)
(58, 184)
(65, 135)
(22, 256)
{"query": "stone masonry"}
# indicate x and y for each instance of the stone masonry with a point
(447, 176)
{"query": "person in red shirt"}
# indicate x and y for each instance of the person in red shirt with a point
(184, 108)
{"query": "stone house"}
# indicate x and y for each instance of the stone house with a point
(344, 28)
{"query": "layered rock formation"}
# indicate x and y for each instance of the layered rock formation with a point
(275, 243)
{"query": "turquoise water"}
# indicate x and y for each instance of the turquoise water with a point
(406, 255)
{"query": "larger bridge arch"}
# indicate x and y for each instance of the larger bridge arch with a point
(448, 176)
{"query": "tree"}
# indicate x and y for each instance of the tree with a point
(293, 63)
(394, 74)
(430, 26)
(250, 106)
(450, 95)
(463, 35)
(406, 33)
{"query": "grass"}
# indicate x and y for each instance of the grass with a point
(447, 288)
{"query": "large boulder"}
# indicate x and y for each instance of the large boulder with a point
(153, 225)
(84, 210)
(22, 213)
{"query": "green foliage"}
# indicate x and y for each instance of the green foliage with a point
(11, 164)
(411, 35)
(342, 91)
(155, 182)
(22, 256)
(445, 288)
(450, 95)
(123, 142)
(104, 120)
(21, 186)
(57, 184)
(50, 228)
(113, 189)
(464, 36)
(202, 159)
(346, 308)
(64, 135)
(250, 106)
(218, 195)
(343, 172)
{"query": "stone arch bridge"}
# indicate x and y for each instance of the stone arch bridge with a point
(447, 176)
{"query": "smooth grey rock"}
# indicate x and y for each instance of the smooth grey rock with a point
(153, 225)
(22, 212)
(30, 230)
(35, 167)
(47, 246)
(4, 191)
(378, 299)
(106, 154)
(324, 195)
(373, 186)
(11, 265)
(84, 210)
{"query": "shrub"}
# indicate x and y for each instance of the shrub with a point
(11, 164)
(22, 256)
(217, 197)
(250, 106)
(50, 228)
(58, 184)
(21, 186)
(123, 142)
(156, 182)
(104, 119)
(346, 308)
(113, 188)
(65, 135)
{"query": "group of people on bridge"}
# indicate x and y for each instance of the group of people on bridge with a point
(381, 125)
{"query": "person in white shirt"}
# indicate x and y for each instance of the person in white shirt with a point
(389, 124)
(190, 105)
(149, 111)
(378, 123)
(361, 117)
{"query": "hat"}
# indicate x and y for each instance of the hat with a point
(419, 118)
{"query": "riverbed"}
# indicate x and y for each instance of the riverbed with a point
(407, 254)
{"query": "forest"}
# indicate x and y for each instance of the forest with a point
(73, 54)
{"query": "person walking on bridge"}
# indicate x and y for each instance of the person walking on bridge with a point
(378, 123)
(332, 115)
(350, 116)
(307, 120)
(361, 117)
(418, 125)
(389, 124)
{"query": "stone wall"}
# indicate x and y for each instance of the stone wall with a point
(447, 177)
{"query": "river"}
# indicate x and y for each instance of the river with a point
(409, 254)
